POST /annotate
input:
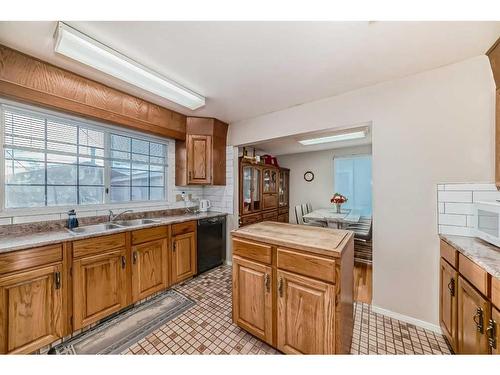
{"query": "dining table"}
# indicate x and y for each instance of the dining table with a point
(332, 218)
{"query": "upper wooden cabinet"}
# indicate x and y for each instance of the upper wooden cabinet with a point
(494, 56)
(201, 158)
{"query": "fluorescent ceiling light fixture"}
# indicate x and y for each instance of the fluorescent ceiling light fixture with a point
(334, 138)
(79, 47)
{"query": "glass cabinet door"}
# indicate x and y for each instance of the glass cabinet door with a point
(256, 196)
(283, 189)
(269, 181)
(247, 189)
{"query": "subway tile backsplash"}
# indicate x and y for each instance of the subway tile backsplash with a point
(456, 206)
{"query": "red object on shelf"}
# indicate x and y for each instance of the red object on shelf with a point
(271, 160)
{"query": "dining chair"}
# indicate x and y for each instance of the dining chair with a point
(299, 216)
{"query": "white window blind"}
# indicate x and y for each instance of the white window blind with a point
(52, 161)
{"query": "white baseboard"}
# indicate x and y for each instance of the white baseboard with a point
(407, 319)
(229, 263)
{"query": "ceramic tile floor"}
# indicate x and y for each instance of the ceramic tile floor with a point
(207, 327)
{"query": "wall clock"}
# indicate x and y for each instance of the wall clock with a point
(308, 176)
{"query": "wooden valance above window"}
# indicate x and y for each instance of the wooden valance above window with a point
(30, 80)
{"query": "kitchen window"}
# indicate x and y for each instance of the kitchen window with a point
(52, 160)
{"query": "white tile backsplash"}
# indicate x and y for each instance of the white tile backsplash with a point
(456, 206)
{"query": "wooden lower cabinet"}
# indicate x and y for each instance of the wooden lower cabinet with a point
(493, 331)
(30, 309)
(183, 263)
(448, 302)
(252, 297)
(99, 286)
(149, 268)
(473, 315)
(306, 315)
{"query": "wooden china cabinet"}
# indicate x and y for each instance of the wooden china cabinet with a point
(263, 192)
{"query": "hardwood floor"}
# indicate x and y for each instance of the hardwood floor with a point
(363, 282)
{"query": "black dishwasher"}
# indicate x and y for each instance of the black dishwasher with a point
(211, 250)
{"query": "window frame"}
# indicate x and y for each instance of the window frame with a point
(108, 129)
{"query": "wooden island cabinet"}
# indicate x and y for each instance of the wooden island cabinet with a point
(49, 292)
(469, 303)
(293, 286)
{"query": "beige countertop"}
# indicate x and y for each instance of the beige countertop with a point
(325, 241)
(29, 240)
(482, 253)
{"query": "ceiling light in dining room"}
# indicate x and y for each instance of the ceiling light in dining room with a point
(335, 138)
(78, 46)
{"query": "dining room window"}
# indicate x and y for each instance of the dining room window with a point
(353, 178)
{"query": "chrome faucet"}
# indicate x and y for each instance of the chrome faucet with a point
(113, 217)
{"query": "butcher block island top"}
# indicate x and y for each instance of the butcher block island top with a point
(324, 241)
(293, 286)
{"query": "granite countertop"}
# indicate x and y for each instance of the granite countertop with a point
(482, 253)
(29, 240)
(325, 241)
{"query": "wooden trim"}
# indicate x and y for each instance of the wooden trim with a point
(31, 80)
(22, 260)
(67, 287)
(449, 253)
(98, 245)
(474, 274)
(149, 234)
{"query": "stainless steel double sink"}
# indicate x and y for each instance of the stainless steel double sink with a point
(104, 227)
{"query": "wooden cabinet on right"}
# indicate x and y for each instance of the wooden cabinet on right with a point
(467, 312)
(473, 315)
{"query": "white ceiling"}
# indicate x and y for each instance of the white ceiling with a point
(290, 144)
(249, 68)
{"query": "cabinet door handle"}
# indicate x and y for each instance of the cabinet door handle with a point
(134, 257)
(124, 262)
(57, 280)
(479, 320)
(491, 331)
(280, 286)
(267, 280)
(451, 287)
(174, 247)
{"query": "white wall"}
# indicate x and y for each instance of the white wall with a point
(437, 126)
(320, 190)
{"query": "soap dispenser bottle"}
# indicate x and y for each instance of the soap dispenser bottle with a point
(72, 220)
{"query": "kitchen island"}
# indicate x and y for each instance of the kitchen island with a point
(293, 286)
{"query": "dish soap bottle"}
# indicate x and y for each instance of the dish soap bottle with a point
(72, 220)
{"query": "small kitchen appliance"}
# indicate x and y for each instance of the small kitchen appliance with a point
(204, 205)
(487, 221)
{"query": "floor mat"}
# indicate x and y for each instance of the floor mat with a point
(118, 333)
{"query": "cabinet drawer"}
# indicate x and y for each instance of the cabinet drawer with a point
(24, 259)
(149, 234)
(307, 265)
(252, 250)
(98, 244)
(283, 210)
(449, 253)
(247, 220)
(495, 292)
(473, 273)
(273, 215)
(182, 228)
